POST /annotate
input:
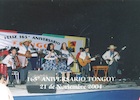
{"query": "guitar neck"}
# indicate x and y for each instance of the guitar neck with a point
(120, 51)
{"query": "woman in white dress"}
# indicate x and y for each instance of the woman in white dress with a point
(64, 69)
(51, 58)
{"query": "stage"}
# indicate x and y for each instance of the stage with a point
(117, 91)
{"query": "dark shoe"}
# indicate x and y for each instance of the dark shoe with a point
(11, 85)
(23, 82)
(67, 82)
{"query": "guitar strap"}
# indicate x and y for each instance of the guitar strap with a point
(111, 53)
(113, 56)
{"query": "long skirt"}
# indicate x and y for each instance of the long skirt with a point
(49, 65)
(63, 67)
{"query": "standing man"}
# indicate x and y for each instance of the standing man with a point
(111, 57)
(25, 51)
(85, 55)
(77, 57)
(10, 62)
(34, 59)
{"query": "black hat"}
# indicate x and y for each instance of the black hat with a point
(13, 48)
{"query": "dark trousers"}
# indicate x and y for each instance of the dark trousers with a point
(24, 71)
(80, 67)
(11, 78)
(39, 62)
(34, 62)
(112, 69)
(85, 71)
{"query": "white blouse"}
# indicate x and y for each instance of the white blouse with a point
(65, 53)
(53, 56)
(7, 59)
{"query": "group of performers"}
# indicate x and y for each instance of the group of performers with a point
(111, 58)
(23, 65)
(58, 62)
(55, 61)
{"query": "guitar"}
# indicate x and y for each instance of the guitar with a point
(23, 58)
(28, 54)
(87, 60)
(112, 58)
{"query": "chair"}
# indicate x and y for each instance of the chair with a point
(16, 74)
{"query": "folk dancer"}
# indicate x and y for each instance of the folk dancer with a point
(64, 67)
(51, 58)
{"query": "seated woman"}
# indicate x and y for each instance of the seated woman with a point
(51, 58)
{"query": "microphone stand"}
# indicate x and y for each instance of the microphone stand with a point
(101, 61)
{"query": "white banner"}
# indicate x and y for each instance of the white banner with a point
(8, 39)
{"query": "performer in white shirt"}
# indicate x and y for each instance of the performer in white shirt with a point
(5, 93)
(10, 62)
(85, 55)
(111, 57)
(25, 51)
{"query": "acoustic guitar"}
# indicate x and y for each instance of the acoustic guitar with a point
(23, 58)
(28, 54)
(87, 60)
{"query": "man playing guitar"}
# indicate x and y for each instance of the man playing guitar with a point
(111, 57)
(85, 56)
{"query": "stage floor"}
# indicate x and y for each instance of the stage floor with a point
(20, 90)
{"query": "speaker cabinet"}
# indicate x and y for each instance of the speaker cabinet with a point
(41, 82)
